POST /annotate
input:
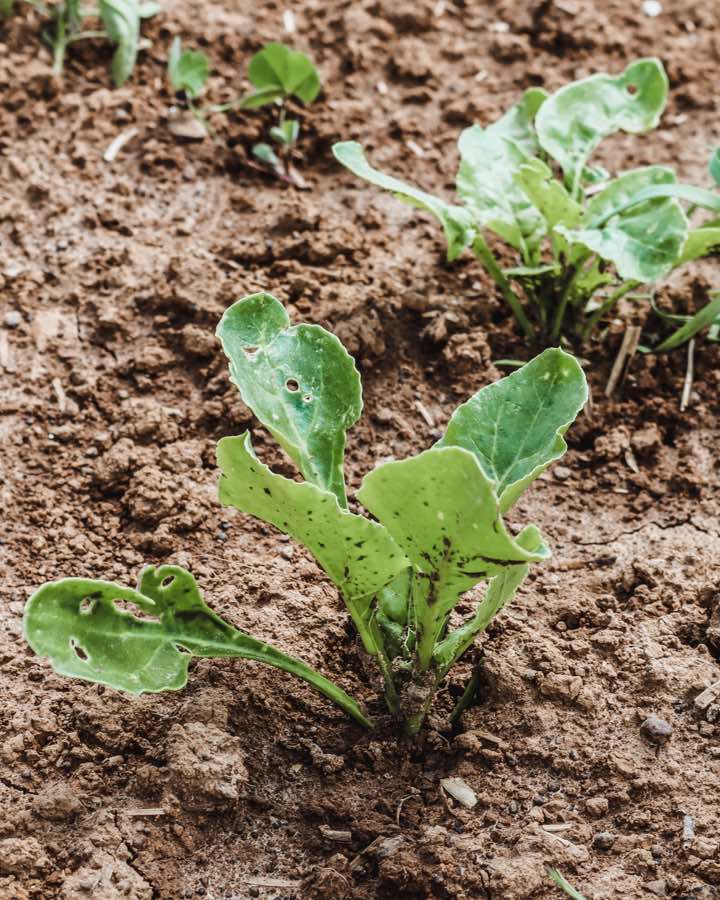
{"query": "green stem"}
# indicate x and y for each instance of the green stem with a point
(562, 306)
(605, 307)
(483, 253)
(468, 695)
(60, 43)
(391, 695)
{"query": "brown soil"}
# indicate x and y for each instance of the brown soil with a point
(114, 393)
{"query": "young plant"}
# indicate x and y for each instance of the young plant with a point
(434, 532)
(582, 238)
(121, 19)
(278, 74)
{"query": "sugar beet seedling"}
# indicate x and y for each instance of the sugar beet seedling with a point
(436, 529)
(121, 20)
(277, 74)
(582, 239)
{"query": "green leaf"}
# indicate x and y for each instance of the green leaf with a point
(188, 70)
(714, 167)
(358, 555)
(442, 511)
(78, 624)
(121, 19)
(572, 122)
(287, 133)
(547, 194)
(696, 196)
(261, 98)
(515, 426)
(148, 10)
(456, 222)
(501, 589)
(489, 157)
(700, 242)
(266, 154)
(277, 66)
(299, 381)
(708, 315)
(644, 241)
(6, 8)
(564, 885)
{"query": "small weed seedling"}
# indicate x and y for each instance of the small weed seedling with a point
(436, 528)
(278, 75)
(121, 20)
(583, 238)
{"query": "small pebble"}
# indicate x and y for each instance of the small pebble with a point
(562, 473)
(656, 730)
(652, 8)
(604, 840)
(12, 318)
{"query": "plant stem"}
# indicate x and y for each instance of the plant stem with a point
(60, 43)
(562, 306)
(483, 253)
(391, 695)
(605, 307)
(468, 695)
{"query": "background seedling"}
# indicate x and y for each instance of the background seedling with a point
(582, 239)
(437, 528)
(121, 19)
(278, 75)
(564, 885)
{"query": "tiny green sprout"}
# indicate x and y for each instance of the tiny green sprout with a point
(564, 885)
(435, 528)
(278, 74)
(121, 20)
(188, 70)
(582, 238)
(714, 167)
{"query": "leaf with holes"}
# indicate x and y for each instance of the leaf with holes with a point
(84, 629)
(358, 555)
(299, 381)
(572, 122)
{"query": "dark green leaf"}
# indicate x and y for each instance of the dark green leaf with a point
(121, 19)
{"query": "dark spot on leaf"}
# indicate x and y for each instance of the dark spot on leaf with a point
(268, 491)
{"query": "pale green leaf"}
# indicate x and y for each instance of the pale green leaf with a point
(280, 67)
(456, 222)
(547, 194)
(442, 511)
(121, 19)
(87, 631)
(700, 242)
(357, 554)
(714, 166)
(299, 381)
(572, 122)
(515, 426)
(188, 70)
(707, 316)
(489, 157)
(261, 98)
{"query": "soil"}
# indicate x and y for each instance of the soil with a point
(114, 393)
